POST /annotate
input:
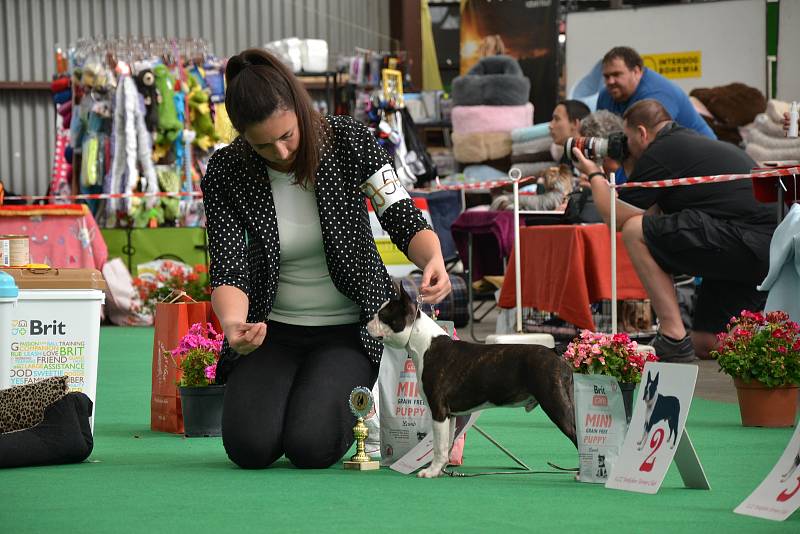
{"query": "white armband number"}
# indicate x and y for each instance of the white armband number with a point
(384, 189)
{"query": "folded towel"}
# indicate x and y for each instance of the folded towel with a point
(479, 119)
(478, 147)
(531, 158)
(757, 137)
(762, 153)
(483, 173)
(529, 133)
(532, 147)
(776, 109)
(764, 124)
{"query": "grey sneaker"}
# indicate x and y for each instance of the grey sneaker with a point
(673, 351)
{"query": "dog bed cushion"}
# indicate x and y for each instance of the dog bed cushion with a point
(532, 147)
(477, 147)
(493, 81)
(480, 119)
(529, 133)
(63, 436)
(23, 406)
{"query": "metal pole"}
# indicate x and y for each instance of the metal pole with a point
(613, 225)
(515, 174)
(496, 444)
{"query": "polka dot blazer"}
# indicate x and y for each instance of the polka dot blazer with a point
(243, 235)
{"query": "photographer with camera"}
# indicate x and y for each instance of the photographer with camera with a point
(716, 230)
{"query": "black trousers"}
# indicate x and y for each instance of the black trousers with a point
(290, 396)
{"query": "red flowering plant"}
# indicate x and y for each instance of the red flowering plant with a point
(197, 355)
(154, 287)
(763, 347)
(606, 354)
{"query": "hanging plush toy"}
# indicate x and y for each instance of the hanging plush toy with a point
(168, 124)
(200, 116)
(146, 84)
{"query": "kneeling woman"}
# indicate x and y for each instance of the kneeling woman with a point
(294, 267)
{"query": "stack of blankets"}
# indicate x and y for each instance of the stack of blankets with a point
(489, 102)
(765, 139)
(531, 149)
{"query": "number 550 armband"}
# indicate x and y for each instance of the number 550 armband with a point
(384, 189)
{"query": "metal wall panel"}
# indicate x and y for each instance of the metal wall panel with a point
(30, 30)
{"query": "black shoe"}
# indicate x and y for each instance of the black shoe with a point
(673, 351)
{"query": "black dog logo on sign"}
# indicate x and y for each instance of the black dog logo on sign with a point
(659, 408)
(602, 472)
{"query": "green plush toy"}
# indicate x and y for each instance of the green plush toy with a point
(170, 182)
(200, 115)
(169, 127)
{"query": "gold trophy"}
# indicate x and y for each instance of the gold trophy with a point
(360, 405)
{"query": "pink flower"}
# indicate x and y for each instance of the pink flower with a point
(211, 371)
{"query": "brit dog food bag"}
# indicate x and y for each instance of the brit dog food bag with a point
(600, 424)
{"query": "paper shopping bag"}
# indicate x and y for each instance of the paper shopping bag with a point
(172, 321)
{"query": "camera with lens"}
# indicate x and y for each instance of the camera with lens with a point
(614, 147)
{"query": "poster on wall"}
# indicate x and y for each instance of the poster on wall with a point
(525, 30)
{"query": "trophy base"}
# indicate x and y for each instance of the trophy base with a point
(362, 466)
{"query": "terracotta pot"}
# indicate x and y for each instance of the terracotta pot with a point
(766, 406)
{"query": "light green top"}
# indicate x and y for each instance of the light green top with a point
(306, 294)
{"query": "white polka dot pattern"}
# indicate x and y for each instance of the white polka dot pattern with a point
(243, 231)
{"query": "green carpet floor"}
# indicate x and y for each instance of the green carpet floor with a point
(140, 481)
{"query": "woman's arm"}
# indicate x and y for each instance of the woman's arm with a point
(426, 253)
(230, 305)
(229, 266)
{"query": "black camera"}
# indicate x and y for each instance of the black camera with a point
(615, 147)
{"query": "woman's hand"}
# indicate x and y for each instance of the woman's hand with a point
(435, 281)
(244, 338)
(426, 253)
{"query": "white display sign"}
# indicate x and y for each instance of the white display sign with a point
(656, 428)
(778, 496)
(599, 424)
(422, 453)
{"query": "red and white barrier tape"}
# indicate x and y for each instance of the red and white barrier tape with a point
(773, 173)
(104, 196)
(475, 185)
(717, 178)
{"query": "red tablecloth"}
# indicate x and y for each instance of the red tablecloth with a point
(566, 268)
(63, 241)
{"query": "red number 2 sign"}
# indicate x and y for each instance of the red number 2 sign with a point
(655, 444)
(785, 495)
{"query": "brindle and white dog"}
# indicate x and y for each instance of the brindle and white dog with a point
(459, 378)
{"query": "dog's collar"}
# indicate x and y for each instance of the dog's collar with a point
(414, 323)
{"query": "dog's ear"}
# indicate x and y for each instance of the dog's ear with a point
(401, 292)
